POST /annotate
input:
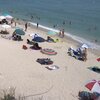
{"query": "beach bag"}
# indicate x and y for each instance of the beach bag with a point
(24, 47)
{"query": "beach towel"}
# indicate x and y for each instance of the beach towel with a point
(52, 67)
(48, 51)
(38, 39)
(44, 61)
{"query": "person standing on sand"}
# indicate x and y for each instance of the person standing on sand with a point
(60, 33)
(63, 33)
(85, 54)
(15, 23)
(12, 21)
(25, 26)
(37, 24)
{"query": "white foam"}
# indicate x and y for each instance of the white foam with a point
(76, 38)
(44, 27)
(82, 40)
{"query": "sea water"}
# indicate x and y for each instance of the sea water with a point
(79, 18)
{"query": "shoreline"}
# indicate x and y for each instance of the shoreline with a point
(81, 40)
(67, 38)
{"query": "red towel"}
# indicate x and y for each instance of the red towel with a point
(98, 59)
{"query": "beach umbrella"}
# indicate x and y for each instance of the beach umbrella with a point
(85, 46)
(2, 17)
(51, 33)
(9, 17)
(19, 32)
(93, 86)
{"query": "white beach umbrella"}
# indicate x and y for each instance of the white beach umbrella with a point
(2, 17)
(85, 46)
(5, 26)
(9, 17)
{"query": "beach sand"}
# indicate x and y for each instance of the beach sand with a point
(19, 69)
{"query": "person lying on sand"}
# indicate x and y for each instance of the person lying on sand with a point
(16, 37)
(30, 42)
(49, 39)
(35, 46)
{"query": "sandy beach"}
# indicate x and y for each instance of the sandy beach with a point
(19, 69)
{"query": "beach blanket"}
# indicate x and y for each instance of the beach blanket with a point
(44, 61)
(48, 51)
(38, 39)
(52, 67)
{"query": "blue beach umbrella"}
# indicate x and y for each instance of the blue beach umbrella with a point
(52, 33)
(19, 32)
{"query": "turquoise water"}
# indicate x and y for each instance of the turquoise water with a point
(80, 18)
